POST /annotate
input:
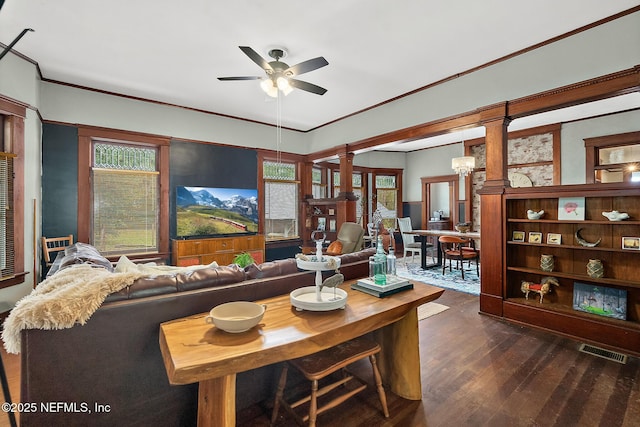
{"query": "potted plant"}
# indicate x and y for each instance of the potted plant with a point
(243, 259)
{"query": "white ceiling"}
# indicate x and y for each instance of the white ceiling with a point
(173, 51)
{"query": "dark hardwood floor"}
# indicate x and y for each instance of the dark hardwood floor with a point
(479, 371)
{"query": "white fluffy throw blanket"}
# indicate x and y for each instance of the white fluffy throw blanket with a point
(68, 297)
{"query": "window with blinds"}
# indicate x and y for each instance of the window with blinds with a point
(280, 200)
(6, 216)
(125, 192)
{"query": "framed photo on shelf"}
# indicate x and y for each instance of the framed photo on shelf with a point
(332, 211)
(600, 300)
(332, 225)
(554, 238)
(518, 236)
(571, 208)
(535, 237)
(322, 223)
(632, 243)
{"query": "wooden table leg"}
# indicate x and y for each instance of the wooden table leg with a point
(217, 402)
(400, 356)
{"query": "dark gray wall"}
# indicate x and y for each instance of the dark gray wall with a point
(59, 180)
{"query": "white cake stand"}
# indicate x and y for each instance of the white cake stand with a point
(311, 298)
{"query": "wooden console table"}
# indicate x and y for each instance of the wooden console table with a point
(194, 351)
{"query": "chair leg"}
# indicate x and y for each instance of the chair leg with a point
(378, 379)
(313, 409)
(279, 394)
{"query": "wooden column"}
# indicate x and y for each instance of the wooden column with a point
(346, 174)
(493, 253)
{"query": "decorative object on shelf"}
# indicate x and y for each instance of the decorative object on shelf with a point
(391, 257)
(317, 211)
(332, 211)
(518, 236)
(463, 227)
(600, 300)
(534, 215)
(546, 262)
(332, 225)
(378, 264)
(595, 269)
(463, 166)
(616, 216)
(571, 208)
(333, 281)
(632, 243)
(542, 288)
(584, 242)
(518, 179)
(554, 238)
(322, 223)
(535, 237)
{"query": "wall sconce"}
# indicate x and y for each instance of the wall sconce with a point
(463, 165)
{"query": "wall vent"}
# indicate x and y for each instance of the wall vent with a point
(605, 354)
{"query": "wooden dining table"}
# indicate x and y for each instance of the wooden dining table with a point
(423, 235)
(194, 351)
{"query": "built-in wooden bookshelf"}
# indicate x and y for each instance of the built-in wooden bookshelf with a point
(557, 312)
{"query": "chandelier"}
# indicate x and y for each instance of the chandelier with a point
(463, 165)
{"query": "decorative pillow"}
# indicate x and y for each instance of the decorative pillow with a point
(335, 247)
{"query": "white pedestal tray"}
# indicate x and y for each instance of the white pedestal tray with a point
(310, 297)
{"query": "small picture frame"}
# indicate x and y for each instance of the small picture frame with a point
(322, 223)
(332, 211)
(535, 237)
(554, 238)
(632, 243)
(332, 225)
(571, 208)
(518, 236)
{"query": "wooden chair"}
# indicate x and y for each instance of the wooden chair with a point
(320, 365)
(458, 249)
(52, 245)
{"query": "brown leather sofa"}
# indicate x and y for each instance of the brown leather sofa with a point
(110, 371)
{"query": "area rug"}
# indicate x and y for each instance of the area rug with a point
(433, 276)
(430, 309)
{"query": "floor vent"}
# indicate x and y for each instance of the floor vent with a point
(605, 354)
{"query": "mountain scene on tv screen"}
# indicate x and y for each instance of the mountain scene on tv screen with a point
(211, 211)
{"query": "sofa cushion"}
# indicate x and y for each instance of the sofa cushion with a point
(209, 277)
(271, 269)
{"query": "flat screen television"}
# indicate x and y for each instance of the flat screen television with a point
(208, 211)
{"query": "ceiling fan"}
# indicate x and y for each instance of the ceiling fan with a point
(280, 75)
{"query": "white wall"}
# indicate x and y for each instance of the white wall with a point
(573, 135)
(73, 105)
(601, 50)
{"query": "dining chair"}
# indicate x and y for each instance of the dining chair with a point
(52, 245)
(458, 249)
(410, 246)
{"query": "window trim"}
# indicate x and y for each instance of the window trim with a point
(15, 114)
(593, 145)
(85, 156)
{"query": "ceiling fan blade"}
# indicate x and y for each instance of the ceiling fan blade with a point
(306, 66)
(239, 78)
(309, 87)
(255, 57)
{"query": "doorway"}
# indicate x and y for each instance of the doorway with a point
(440, 200)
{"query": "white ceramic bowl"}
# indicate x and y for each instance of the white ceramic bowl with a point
(237, 316)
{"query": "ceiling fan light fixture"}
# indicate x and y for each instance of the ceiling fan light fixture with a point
(269, 87)
(283, 85)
